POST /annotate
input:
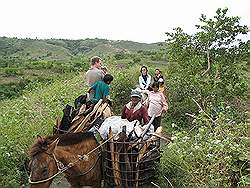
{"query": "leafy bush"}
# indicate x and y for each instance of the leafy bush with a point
(120, 55)
(121, 87)
(12, 72)
(136, 60)
(207, 91)
(211, 154)
(206, 66)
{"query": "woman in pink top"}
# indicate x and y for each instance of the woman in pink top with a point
(157, 104)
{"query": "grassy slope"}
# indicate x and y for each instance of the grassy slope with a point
(55, 49)
(30, 115)
(40, 49)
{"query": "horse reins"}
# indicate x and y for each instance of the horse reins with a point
(62, 168)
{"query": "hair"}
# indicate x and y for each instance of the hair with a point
(158, 70)
(104, 68)
(155, 84)
(144, 67)
(95, 59)
(108, 78)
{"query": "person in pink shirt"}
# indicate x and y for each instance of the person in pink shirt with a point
(157, 104)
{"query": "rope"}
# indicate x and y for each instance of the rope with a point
(64, 168)
(61, 130)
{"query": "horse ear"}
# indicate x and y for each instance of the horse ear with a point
(58, 122)
(39, 138)
(52, 146)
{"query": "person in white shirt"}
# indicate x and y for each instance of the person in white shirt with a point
(144, 78)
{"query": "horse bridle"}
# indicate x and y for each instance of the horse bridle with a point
(62, 168)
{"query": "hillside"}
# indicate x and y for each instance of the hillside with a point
(63, 49)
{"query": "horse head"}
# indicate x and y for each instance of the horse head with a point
(43, 164)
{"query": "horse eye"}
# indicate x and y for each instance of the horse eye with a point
(45, 171)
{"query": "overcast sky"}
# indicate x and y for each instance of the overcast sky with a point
(136, 20)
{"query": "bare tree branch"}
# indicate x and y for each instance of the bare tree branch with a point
(201, 110)
(191, 115)
(208, 63)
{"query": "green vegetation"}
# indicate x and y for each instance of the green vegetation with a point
(207, 80)
(27, 61)
(208, 106)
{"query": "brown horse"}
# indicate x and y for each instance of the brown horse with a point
(66, 153)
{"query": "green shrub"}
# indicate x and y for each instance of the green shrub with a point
(212, 154)
(124, 81)
(12, 72)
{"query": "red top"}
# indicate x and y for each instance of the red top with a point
(135, 113)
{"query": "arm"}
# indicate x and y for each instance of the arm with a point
(140, 82)
(92, 88)
(164, 103)
(123, 116)
(104, 99)
(105, 94)
(87, 78)
(145, 116)
(148, 81)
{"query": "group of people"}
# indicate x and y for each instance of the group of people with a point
(156, 104)
(99, 80)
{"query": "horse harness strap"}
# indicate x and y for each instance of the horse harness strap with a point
(62, 168)
(84, 173)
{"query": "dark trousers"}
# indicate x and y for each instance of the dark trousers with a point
(156, 122)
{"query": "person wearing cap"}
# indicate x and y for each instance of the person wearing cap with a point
(95, 73)
(134, 110)
(157, 75)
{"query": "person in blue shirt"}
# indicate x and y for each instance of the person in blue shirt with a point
(101, 89)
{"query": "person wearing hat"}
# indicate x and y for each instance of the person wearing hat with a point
(134, 110)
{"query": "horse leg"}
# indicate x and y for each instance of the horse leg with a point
(96, 184)
(75, 185)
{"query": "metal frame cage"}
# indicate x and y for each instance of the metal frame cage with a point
(130, 164)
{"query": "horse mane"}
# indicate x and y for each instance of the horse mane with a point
(41, 144)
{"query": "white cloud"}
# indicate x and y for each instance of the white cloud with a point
(137, 20)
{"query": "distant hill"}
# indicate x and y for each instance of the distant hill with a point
(63, 49)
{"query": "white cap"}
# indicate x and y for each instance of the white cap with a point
(160, 80)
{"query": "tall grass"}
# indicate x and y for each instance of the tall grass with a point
(32, 114)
